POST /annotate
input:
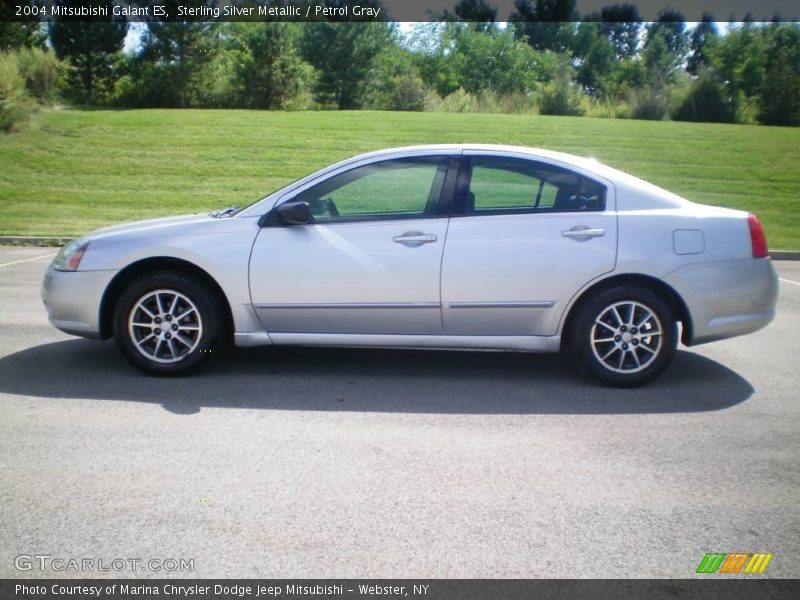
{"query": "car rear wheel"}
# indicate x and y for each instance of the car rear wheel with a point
(625, 336)
(167, 323)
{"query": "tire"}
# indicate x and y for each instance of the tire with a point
(168, 323)
(625, 336)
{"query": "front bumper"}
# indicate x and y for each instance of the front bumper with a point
(727, 298)
(73, 299)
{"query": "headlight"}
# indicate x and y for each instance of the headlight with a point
(69, 257)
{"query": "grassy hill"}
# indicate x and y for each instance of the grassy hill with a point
(71, 171)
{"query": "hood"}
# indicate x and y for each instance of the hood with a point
(184, 224)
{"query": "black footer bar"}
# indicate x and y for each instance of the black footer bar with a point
(419, 589)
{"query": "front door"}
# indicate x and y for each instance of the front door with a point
(369, 263)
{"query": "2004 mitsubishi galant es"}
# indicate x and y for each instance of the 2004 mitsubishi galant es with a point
(463, 246)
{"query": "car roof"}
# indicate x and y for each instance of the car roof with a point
(589, 164)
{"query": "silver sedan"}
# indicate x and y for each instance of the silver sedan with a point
(457, 246)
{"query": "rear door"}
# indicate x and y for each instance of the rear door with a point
(524, 238)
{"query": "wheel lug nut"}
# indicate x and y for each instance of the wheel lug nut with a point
(635, 342)
(174, 328)
(168, 335)
(624, 346)
(157, 331)
(633, 330)
(169, 317)
(623, 328)
(617, 338)
(158, 319)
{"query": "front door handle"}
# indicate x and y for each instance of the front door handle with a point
(414, 238)
(583, 233)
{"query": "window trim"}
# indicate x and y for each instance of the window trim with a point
(465, 178)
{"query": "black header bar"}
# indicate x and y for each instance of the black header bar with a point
(363, 10)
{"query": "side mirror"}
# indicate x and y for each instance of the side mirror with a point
(288, 213)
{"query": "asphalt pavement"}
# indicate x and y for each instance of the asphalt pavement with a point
(375, 463)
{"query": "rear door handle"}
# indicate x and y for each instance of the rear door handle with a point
(582, 233)
(414, 238)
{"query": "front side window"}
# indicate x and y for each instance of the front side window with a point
(506, 185)
(393, 189)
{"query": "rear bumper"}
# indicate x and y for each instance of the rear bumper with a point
(726, 298)
(72, 300)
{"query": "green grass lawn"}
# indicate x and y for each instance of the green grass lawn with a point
(70, 171)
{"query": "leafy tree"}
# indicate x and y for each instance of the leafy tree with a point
(343, 54)
(629, 74)
(544, 24)
(425, 38)
(671, 26)
(659, 62)
(394, 82)
(665, 48)
(479, 13)
(266, 65)
(561, 96)
(704, 35)
(621, 24)
(18, 34)
(478, 62)
(90, 47)
(738, 60)
(431, 44)
(651, 101)
(780, 95)
(174, 55)
(594, 54)
(495, 62)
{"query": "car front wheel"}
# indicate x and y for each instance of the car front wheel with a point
(167, 323)
(624, 336)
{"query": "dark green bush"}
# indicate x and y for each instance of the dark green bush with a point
(650, 104)
(561, 97)
(705, 102)
(15, 103)
(41, 72)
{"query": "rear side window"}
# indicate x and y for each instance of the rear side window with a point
(507, 185)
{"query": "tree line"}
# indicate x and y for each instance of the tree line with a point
(547, 59)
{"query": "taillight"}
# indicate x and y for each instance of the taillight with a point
(757, 237)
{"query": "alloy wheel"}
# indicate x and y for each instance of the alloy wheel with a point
(165, 326)
(627, 337)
